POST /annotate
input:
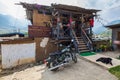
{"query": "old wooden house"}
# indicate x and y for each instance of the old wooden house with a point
(51, 26)
(60, 23)
(115, 34)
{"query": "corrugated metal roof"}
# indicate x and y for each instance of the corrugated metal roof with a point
(58, 6)
(114, 24)
(11, 34)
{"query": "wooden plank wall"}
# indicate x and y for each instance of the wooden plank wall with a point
(39, 31)
(43, 52)
(39, 19)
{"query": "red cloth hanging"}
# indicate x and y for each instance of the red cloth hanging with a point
(91, 21)
(70, 20)
(58, 19)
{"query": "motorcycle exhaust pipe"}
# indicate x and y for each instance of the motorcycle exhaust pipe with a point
(57, 66)
(46, 61)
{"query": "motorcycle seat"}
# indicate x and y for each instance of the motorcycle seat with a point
(56, 53)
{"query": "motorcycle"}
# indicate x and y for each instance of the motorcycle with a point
(61, 58)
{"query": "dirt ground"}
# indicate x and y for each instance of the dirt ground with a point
(82, 70)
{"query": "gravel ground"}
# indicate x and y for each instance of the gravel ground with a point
(82, 70)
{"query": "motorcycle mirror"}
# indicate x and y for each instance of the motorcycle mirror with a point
(60, 45)
(72, 40)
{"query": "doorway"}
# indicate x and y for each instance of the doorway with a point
(118, 38)
(0, 58)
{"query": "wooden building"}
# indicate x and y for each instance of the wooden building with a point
(115, 34)
(61, 23)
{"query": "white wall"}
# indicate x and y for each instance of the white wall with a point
(17, 54)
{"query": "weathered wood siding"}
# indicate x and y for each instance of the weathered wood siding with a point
(44, 47)
(39, 19)
(39, 31)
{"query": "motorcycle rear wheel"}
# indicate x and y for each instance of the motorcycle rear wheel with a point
(53, 64)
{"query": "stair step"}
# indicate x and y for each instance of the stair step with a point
(84, 51)
(83, 48)
(78, 37)
(80, 40)
(81, 44)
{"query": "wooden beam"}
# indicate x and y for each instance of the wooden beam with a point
(68, 12)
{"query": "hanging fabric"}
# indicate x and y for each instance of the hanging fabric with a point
(44, 12)
(70, 20)
(91, 21)
(38, 6)
(58, 19)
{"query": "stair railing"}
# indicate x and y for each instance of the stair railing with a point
(74, 37)
(86, 39)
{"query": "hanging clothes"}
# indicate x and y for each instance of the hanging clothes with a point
(58, 19)
(70, 20)
(91, 21)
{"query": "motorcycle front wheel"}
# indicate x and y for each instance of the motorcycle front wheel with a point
(74, 57)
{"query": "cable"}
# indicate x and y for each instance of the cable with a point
(101, 20)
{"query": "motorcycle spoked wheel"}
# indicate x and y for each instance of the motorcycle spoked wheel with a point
(74, 57)
(53, 64)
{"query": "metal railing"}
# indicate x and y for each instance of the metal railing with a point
(87, 39)
(60, 33)
(74, 37)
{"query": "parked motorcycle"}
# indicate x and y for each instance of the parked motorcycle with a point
(61, 58)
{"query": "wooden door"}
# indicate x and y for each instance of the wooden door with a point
(118, 38)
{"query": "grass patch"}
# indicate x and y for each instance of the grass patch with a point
(115, 71)
(87, 53)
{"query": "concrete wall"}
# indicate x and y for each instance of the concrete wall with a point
(17, 54)
(28, 50)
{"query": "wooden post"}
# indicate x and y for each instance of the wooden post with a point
(82, 24)
(58, 26)
(90, 31)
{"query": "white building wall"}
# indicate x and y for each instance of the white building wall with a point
(17, 54)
